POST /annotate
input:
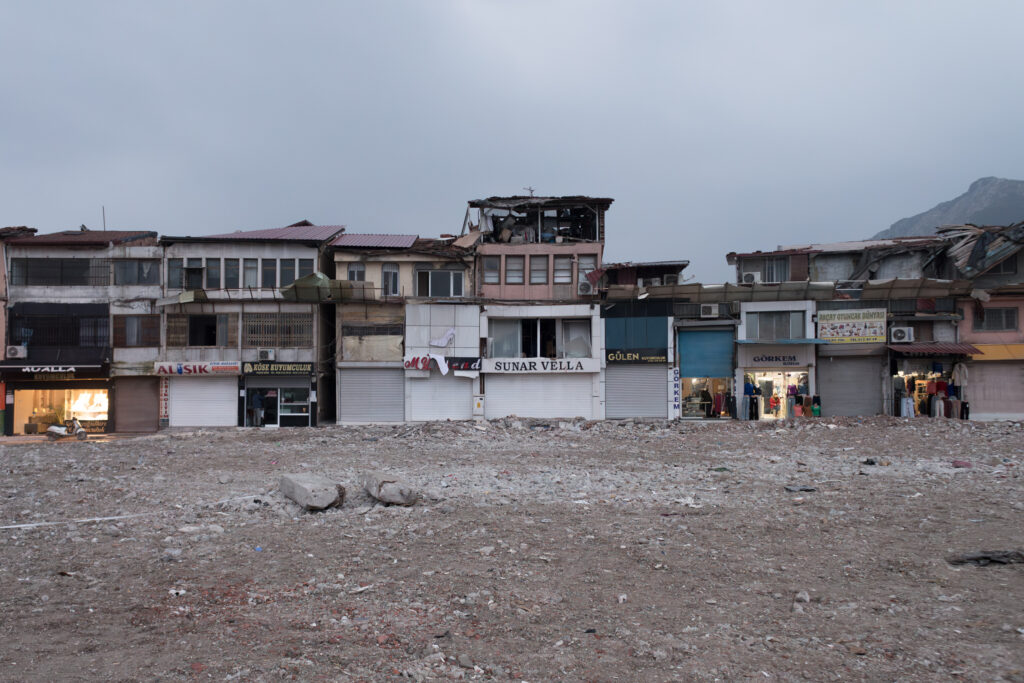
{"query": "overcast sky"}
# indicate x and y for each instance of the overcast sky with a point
(716, 126)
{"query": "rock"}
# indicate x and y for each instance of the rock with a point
(312, 492)
(389, 489)
(465, 662)
(486, 551)
(961, 464)
(802, 596)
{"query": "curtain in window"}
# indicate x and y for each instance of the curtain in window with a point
(576, 336)
(506, 338)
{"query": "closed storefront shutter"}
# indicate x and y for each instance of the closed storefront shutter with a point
(441, 398)
(547, 396)
(207, 402)
(636, 391)
(850, 385)
(371, 395)
(136, 404)
(995, 390)
(705, 353)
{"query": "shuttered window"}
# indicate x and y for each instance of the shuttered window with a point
(136, 330)
(277, 330)
(218, 329)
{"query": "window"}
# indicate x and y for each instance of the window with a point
(389, 279)
(269, 273)
(213, 273)
(539, 338)
(357, 272)
(563, 270)
(492, 270)
(68, 330)
(439, 283)
(772, 325)
(305, 267)
(136, 330)
(514, 270)
(287, 271)
(587, 263)
(994, 319)
(230, 273)
(250, 273)
(194, 273)
(539, 270)
(174, 266)
(214, 329)
(277, 330)
(60, 272)
(1007, 266)
(137, 272)
(775, 269)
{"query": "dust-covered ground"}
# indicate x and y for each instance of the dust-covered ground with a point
(538, 552)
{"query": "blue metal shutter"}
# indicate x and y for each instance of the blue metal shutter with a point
(705, 353)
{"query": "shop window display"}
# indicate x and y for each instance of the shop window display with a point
(778, 395)
(37, 409)
(707, 397)
(931, 390)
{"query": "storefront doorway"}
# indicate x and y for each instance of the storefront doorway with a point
(282, 407)
(780, 394)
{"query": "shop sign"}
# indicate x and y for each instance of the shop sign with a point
(198, 369)
(450, 363)
(541, 365)
(775, 356)
(656, 356)
(858, 326)
(675, 390)
(49, 372)
(276, 369)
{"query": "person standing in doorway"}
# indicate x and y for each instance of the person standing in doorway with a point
(257, 409)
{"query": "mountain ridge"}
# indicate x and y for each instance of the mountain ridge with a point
(988, 201)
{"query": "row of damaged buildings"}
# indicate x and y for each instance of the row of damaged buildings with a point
(517, 313)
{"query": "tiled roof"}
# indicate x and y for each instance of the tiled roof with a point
(375, 241)
(83, 238)
(300, 233)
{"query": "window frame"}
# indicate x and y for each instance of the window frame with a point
(237, 274)
(213, 273)
(983, 319)
(390, 283)
(491, 270)
(430, 273)
(563, 275)
(515, 269)
(265, 271)
(539, 276)
(250, 267)
(358, 269)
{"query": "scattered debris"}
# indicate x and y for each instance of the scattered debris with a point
(986, 557)
(961, 464)
(801, 489)
(389, 489)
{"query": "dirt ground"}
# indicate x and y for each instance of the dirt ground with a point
(566, 551)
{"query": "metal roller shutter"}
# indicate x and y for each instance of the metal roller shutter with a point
(539, 396)
(635, 391)
(850, 385)
(441, 398)
(995, 390)
(207, 402)
(371, 395)
(136, 404)
(705, 353)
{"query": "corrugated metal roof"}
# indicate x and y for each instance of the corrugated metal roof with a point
(375, 241)
(83, 238)
(935, 349)
(299, 233)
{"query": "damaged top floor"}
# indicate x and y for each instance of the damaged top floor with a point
(532, 220)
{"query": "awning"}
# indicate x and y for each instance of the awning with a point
(999, 352)
(770, 342)
(916, 288)
(705, 294)
(934, 349)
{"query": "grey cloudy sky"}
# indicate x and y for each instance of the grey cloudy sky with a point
(716, 126)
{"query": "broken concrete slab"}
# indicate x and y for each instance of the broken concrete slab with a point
(312, 492)
(389, 489)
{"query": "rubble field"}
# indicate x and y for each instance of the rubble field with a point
(536, 551)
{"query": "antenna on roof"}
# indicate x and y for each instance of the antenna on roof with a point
(82, 227)
(529, 189)
(104, 217)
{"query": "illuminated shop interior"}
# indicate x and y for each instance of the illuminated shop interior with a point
(692, 404)
(37, 409)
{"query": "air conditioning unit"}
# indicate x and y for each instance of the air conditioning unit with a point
(898, 335)
(751, 278)
(17, 352)
(265, 354)
(709, 310)
(584, 288)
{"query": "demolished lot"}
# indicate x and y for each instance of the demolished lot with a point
(527, 550)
